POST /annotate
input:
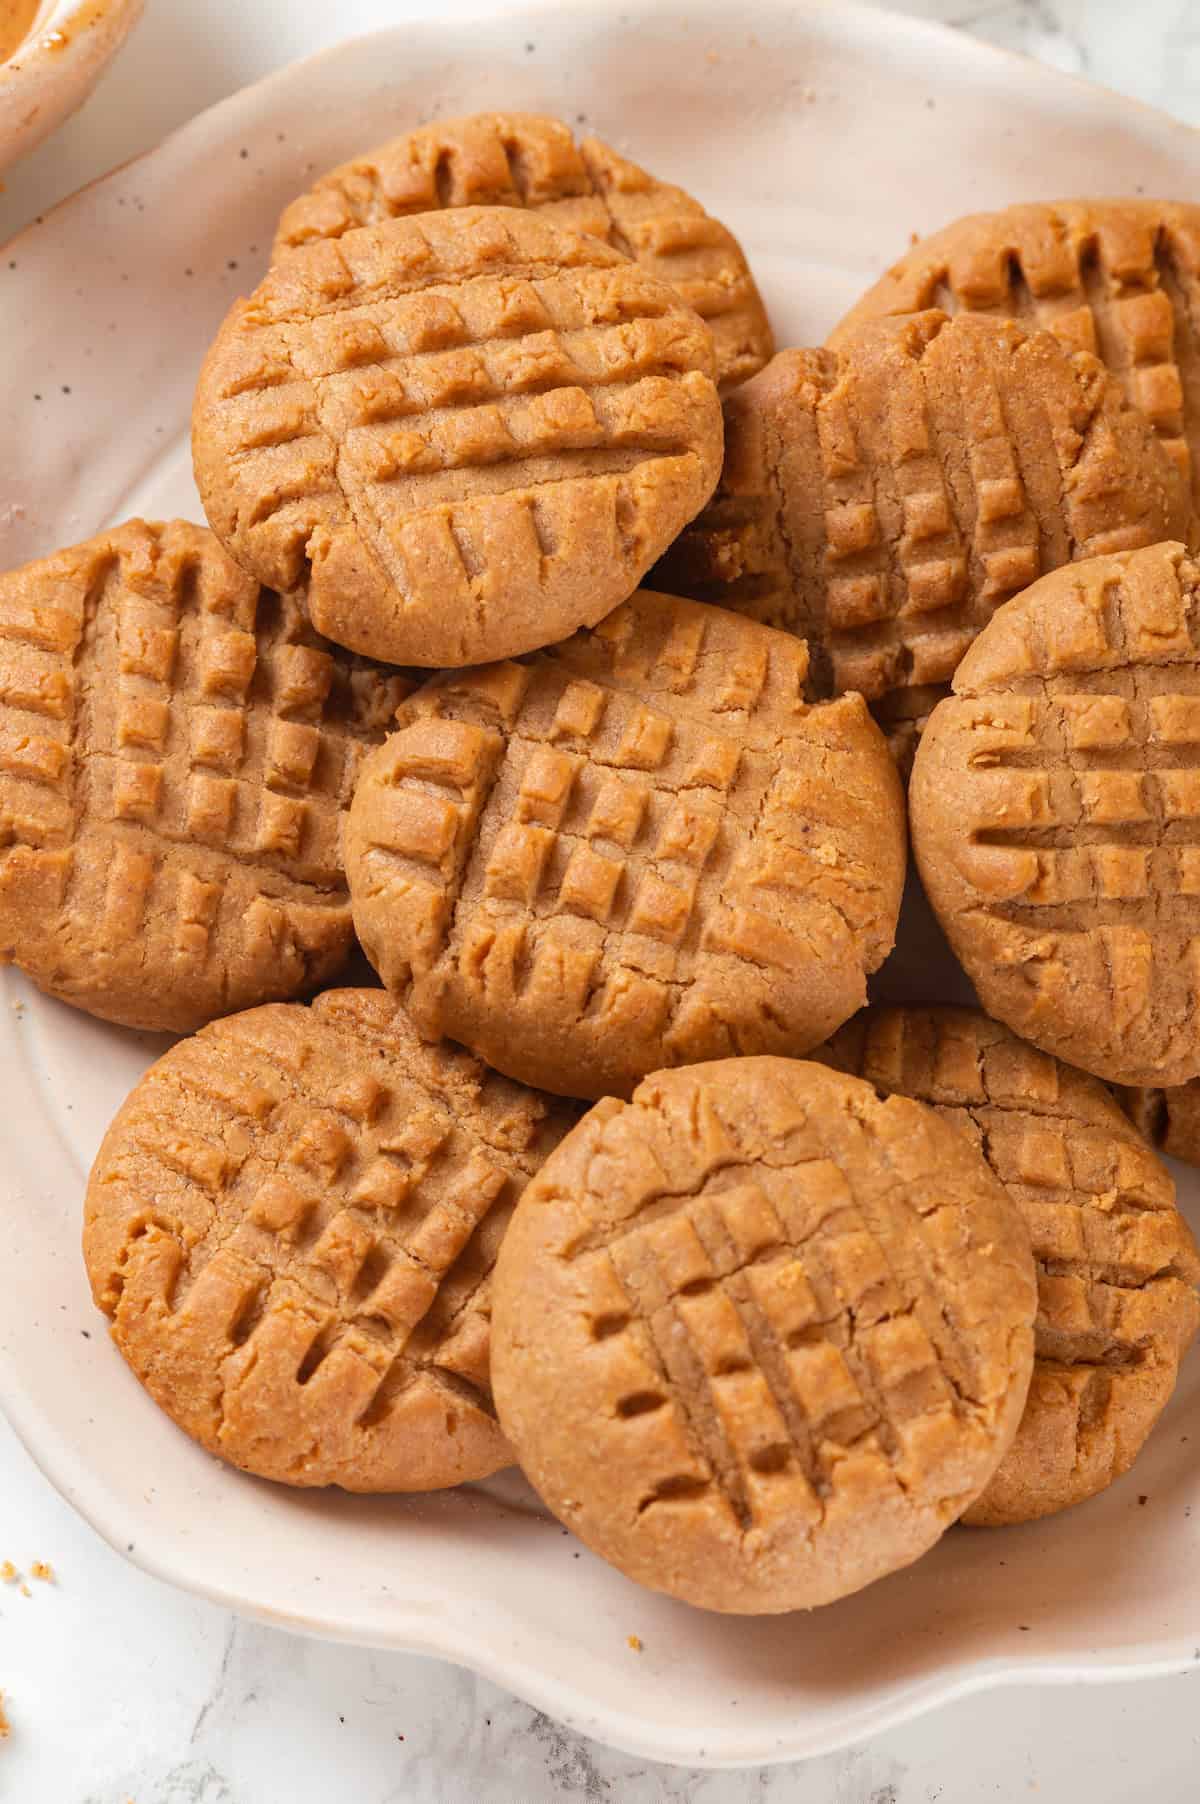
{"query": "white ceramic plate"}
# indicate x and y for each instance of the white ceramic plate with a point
(823, 134)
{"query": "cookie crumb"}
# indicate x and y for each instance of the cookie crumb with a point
(42, 1569)
(25, 1591)
(8, 1573)
(5, 1727)
(635, 1642)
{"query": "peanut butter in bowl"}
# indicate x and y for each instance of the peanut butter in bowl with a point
(16, 22)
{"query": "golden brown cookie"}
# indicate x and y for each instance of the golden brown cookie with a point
(1168, 1119)
(1055, 807)
(883, 499)
(527, 160)
(177, 748)
(639, 848)
(759, 1336)
(1116, 1263)
(292, 1224)
(1120, 278)
(466, 433)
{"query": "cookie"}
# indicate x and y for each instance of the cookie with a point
(527, 160)
(882, 500)
(1055, 806)
(465, 433)
(1115, 277)
(759, 1336)
(291, 1225)
(177, 749)
(639, 848)
(1116, 1263)
(1168, 1119)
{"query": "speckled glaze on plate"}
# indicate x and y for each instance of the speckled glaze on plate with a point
(828, 133)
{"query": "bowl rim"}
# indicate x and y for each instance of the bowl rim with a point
(96, 22)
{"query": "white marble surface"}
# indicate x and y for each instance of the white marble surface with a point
(120, 1691)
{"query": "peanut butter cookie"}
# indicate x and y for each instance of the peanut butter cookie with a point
(177, 748)
(292, 1224)
(465, 433)
(759, 1336)
(1056, 816)
(883, 499)
(526, 160)
(1114, 277)
(1116, 1263)
(640, 848)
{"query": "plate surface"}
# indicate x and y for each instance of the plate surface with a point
(823, 135)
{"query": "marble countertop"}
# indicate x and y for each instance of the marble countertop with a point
(121, 1691)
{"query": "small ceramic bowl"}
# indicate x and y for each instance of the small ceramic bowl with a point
(65, 51)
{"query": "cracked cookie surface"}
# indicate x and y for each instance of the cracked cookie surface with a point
(1055, 805)
(177, 750)
(291, 1225)
(528, 160)
(1115, 277)
(464, 433)
(883, 499)
(1117, 1266)
(760, 1336)
(640, 848)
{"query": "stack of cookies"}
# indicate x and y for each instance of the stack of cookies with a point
(616, 1175)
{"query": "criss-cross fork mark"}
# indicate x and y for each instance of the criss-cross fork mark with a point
(1117, 281)
(413, 382)
(603, 791)
(351, 1218)
(1100, 1208)
(847, 513)
(173, 740)
(776, 1328)
(499, 160)
(454, 396)
(1091, 789)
